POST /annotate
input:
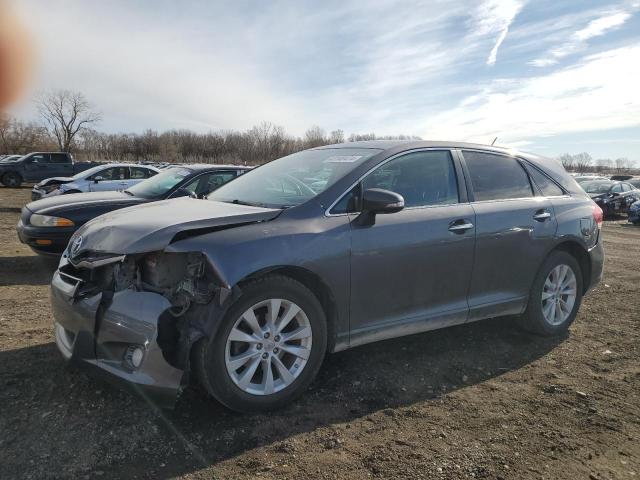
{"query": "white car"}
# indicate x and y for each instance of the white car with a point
(107, 177)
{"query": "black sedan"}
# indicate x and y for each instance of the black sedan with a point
(613, 197)
(46, 225)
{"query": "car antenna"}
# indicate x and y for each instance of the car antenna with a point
(494, 141)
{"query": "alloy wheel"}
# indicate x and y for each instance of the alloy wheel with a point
(559, 294)
(268, 346)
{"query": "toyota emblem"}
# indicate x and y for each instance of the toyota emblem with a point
(76, 245)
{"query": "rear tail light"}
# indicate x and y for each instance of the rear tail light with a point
(598, 215)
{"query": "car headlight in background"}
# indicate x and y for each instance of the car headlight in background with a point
(46, 221)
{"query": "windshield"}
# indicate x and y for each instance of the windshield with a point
(292, 180)
(159, 184)
(597, 187)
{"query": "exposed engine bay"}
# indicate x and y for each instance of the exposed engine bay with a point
(186, 280)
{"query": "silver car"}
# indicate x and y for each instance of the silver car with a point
(103, 178)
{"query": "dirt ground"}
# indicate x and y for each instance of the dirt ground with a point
(478, 401)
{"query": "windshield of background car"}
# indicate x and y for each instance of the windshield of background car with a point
(597, 187)
(159, 184)
(292, 180)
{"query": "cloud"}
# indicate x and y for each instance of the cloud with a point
(495, 16)
(599, 92)
(578, 40)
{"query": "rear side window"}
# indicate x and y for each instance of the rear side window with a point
(59, 158)
(422, 178)
(496, 177)
(544, 183)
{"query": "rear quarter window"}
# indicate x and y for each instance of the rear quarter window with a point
(547, 186)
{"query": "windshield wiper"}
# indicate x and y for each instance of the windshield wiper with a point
(129, 193)
(250, 204)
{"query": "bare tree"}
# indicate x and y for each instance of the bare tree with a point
(583, 161)
(567, 161)
(623, 164)
(315, 136)
(337, 136)
(66, 113)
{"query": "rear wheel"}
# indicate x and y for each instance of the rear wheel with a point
(555, 296)
(11, 179)
(268, 348)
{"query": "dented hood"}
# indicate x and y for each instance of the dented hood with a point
(152, 226)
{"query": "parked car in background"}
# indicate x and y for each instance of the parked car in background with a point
(37, 166)
(634, 213)
(611, 196)
(247, 291)
(620, 177)
(103, 178)
(589, 178)
(635, 181)
(9, 158)
(46, 225)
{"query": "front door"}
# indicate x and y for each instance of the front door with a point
(110, 179)
(38, 167)
(410, 271)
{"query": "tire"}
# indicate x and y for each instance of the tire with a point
(535, 319)
(11, 180)
(214, 357)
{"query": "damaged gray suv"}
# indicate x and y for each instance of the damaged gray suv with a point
(318, 252)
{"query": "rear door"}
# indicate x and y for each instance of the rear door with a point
(61, 165)
(138, 174)
(410, 271)
(515, 228)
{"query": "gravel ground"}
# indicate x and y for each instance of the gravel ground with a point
(479, 401)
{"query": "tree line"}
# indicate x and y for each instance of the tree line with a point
(69, 120)
(68, 124)
(585, 163)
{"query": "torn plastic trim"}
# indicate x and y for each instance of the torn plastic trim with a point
(96, 262)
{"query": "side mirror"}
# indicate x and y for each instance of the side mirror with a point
(183, 192)
(97, 179)
(377, 200)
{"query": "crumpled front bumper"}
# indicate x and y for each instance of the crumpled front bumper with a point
(101, 335)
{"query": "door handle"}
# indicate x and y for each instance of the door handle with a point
(541, 215)
(460, 226)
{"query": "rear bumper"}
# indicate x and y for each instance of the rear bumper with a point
(35, 238)
(101, 335)
(596, 257)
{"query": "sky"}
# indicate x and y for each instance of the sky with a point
(544, 76)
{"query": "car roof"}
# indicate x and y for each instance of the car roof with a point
(210, 166)
(411, 144)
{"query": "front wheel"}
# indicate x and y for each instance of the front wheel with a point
(11, 179)
(555, 296)
(268, 348)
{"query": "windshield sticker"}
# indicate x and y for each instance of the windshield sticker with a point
(343, 159)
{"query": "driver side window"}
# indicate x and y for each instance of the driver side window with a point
(423, 178)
